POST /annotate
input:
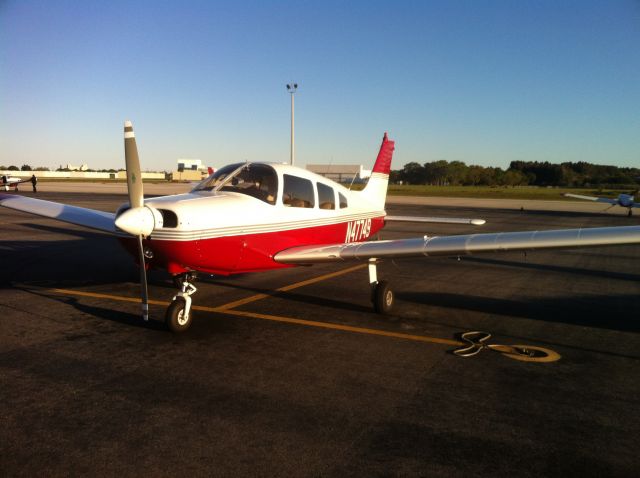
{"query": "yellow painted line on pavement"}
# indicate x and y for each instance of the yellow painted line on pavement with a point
(346, 328)
(275, 318)
(253, 298)
(508, 351)
(226, 309)
(230, 305)
(97, 295)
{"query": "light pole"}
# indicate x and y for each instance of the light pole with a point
(292, 87)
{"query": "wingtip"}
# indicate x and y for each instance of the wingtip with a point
(478, 222)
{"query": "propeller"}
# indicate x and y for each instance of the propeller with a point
(138, 220)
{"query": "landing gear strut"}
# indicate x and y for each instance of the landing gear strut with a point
(381, 294)
(178, 316)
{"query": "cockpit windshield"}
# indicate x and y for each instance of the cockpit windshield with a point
(257, 180)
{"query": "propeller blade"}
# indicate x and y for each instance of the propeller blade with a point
(133, 220)
(134, 178)
(143, 281)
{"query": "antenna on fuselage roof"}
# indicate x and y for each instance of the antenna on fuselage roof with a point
(329, 167)
(353, 180)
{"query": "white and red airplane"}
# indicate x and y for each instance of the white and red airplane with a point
(260, 216)
(11, 182)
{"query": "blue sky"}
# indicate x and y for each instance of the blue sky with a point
(485, 82)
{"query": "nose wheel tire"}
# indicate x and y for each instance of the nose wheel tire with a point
(383, 297)
(175, 317)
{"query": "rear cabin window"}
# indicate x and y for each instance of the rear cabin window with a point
(343, 201)
(326, 197)
(297, 192)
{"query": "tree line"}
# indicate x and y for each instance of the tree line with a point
(519, 173)
(26, 167)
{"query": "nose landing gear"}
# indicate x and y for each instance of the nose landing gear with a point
(178, 316)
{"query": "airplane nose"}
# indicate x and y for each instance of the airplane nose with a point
(138, 221)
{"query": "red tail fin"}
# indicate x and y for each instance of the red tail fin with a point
(383, 161)
(376, 189)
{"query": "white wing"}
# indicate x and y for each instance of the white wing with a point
(461, 245)
(444, 220)
(103, 221)
(592, 198)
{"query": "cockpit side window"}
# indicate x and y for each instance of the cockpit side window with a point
(297, 192)
(257, 180)
(343, 201)
(217, 178)
(326, 197)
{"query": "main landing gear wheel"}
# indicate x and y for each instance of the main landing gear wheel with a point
(383, 298)
(176, 318)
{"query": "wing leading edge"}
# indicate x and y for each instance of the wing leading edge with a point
(91, 218)
(461, 244)
(441, 220)
(591, 198)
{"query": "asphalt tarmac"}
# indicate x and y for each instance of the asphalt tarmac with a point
(308, 381)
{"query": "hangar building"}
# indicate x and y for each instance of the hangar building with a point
(342, 173)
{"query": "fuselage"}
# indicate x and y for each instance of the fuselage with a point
(625, 200)
(241, 226)
(8, 182)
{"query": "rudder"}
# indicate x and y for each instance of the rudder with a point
(376, 189)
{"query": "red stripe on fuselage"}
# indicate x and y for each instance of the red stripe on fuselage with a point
(249, 252)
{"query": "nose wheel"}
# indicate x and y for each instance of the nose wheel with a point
(179, 316)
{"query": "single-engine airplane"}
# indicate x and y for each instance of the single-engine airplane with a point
(623, 200)
(255, 216)
(9, 182)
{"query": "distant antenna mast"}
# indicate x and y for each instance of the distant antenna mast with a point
(292, 87)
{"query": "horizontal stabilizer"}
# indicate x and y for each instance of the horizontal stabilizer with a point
(461, 245)
(91, 218)
(442, 220)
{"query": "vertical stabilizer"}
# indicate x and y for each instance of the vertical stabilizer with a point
(376, 189)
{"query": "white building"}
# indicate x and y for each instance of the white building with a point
(189, 170)
(189, 164)
(82, 167)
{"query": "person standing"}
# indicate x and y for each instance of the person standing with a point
(34, 181)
